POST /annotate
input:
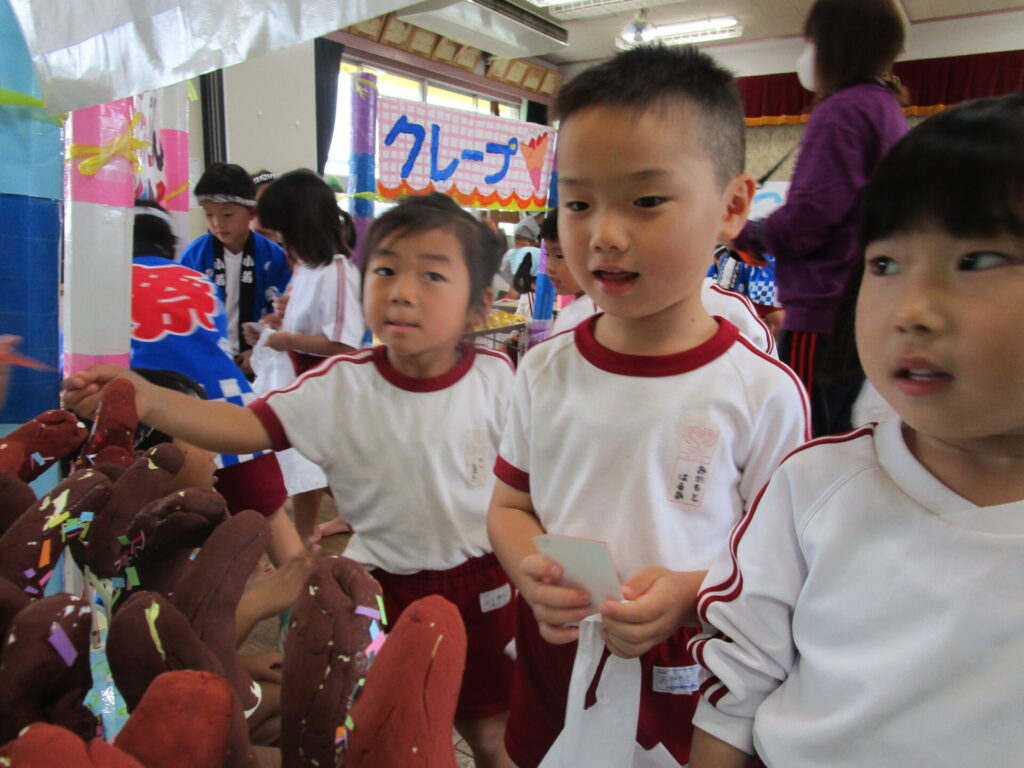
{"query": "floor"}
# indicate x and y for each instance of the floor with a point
(263, 638)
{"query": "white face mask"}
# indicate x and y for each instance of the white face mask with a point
(805, 66)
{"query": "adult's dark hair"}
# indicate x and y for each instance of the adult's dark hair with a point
(522, 280)
(301, 206)
(654, 76)
(549, 229)
(962, 169)
(152, 234)
(856, 41)
(226, 179)
(481, 247)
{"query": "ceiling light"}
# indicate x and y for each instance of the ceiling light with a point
(640, 31)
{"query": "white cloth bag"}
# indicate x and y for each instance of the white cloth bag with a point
(274, 370)
(603, 736)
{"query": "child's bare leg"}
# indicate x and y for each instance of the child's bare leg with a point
(486, 737)
(306, 509)
(285, 541)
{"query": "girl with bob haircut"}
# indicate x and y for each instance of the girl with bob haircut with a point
(868, 609)
(407, 433)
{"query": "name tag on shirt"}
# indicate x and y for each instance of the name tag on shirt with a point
(494, 599)
(477, 467)
(681, 680)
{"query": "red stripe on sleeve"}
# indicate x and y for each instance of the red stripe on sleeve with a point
(512, 475)
(270, 422)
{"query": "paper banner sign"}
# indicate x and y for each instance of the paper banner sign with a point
(163, 125)
(479, 160)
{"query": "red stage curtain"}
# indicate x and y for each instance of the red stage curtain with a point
(933, 84)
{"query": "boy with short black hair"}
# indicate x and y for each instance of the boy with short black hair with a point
(675, 420)
(246, 267)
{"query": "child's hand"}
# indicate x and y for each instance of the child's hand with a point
(262, 667)
(281, 341)
(554, 606)
(273, 320)
(279, 303)
(81, 391)
(251, 333)
(662, 601)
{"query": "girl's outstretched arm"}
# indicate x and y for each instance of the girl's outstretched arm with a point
(213, 425)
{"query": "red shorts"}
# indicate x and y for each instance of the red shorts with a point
(488, 675)
(302, 361)
(540, 688)
(254, 484)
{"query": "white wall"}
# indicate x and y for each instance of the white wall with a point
(270, 111)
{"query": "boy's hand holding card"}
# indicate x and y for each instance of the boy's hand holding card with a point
(586, 564)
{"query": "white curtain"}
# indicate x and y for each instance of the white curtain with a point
(88, 52)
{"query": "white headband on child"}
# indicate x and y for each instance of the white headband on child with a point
(226, 199)
(160, 213)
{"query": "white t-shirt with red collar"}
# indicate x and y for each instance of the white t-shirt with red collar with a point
(718, 301)
(658, 456)
(325, 300)
(408, 460)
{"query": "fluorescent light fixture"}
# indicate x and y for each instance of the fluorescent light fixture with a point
(592, 9)
(640, 31)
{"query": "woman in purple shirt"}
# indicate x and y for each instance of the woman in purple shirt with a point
(851, 45)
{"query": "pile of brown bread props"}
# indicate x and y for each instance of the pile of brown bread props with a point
(174, 565)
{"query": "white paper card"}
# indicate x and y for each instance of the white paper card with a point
(585, 563)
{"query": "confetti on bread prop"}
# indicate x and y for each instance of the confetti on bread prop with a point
(147, 478)
(149, 636)
(421, 662)
(15, 497)
(48, 437)
(30, 547)
(44, 671)
(159, 542)
(182, 721)
(112, 440)
(336, 627)
(208, 594)
(48, 746)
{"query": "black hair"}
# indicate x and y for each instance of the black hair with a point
(226, 179)
(481, 246)
(652, 76)
(549, 228)
(146, 436)
(522, 280)
(301, 206)
(962, 169)
(348, 230)
(856, 41)
(152, 235)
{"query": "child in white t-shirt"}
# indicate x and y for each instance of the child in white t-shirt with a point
(407, 433)
(322, 315)
(674, 420)
(582, 306)
(868, 611)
